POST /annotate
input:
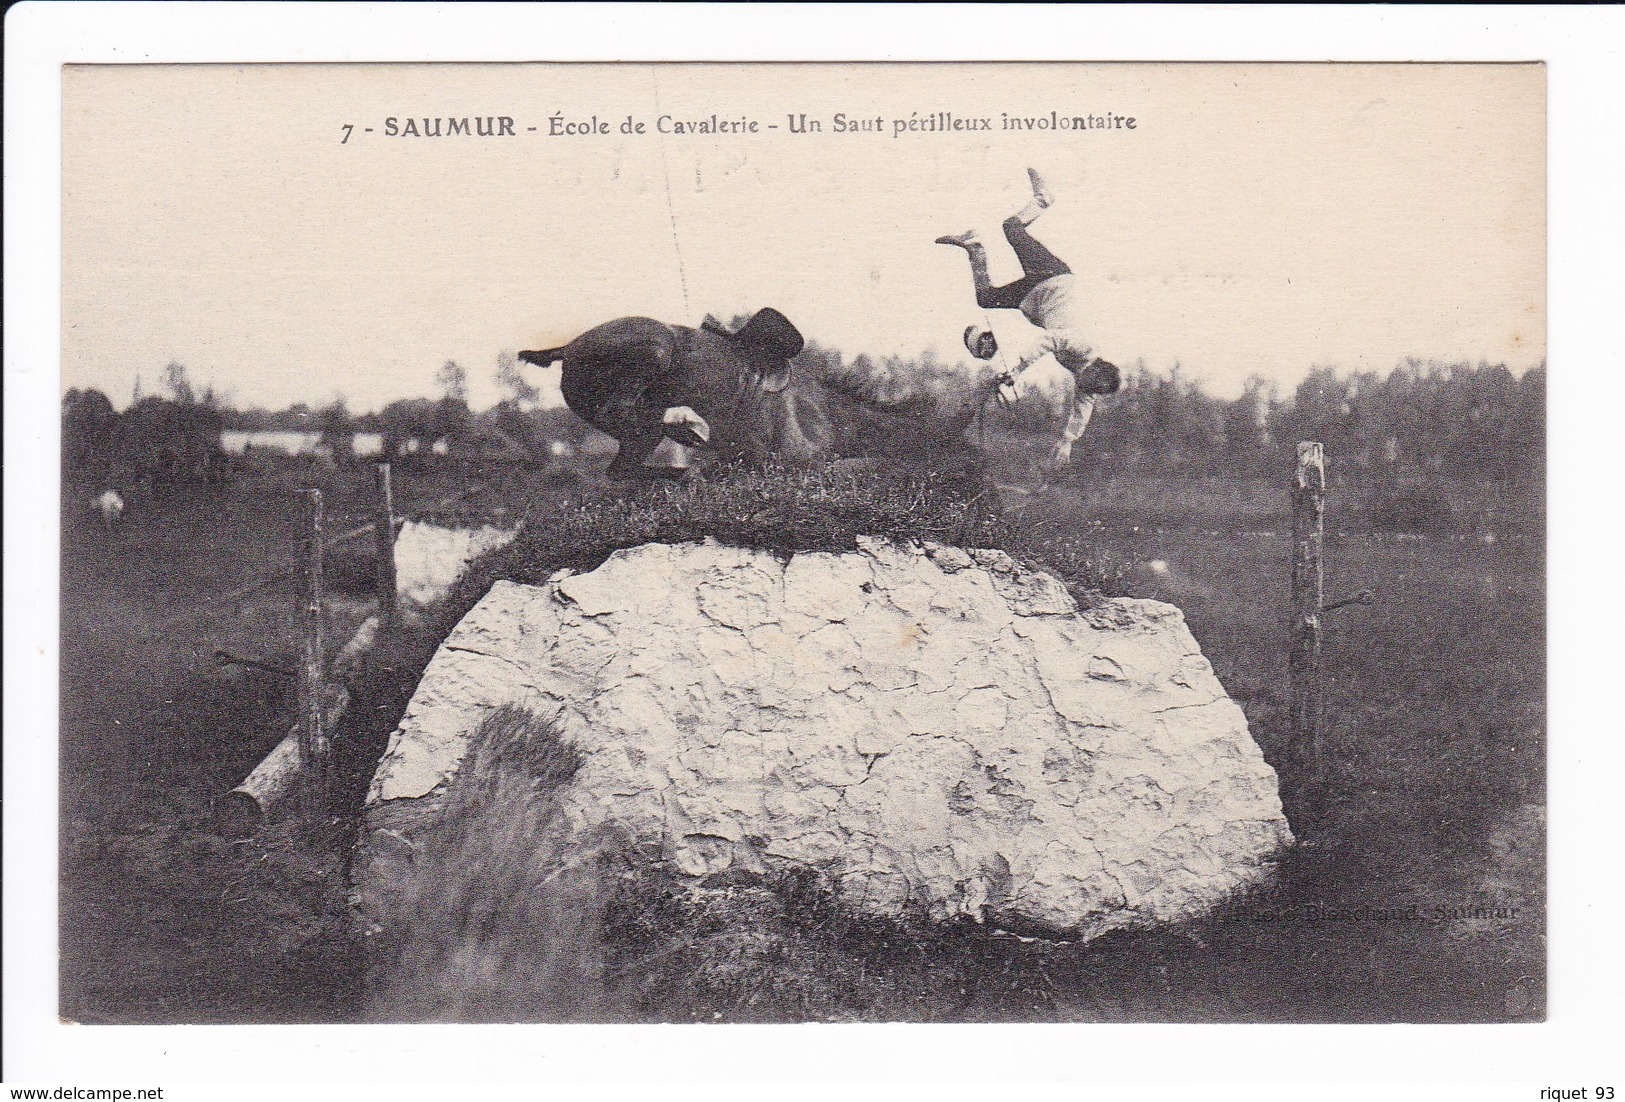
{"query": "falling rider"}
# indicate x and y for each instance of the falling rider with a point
(1050, 297)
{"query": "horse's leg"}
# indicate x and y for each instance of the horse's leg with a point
(627, 465)
(685, 428)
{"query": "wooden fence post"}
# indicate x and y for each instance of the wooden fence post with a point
(315, 750)
(385, 533)
(1308, 595)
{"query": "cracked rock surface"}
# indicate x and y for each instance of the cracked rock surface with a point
(924, 725)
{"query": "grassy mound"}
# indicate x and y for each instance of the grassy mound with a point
(786, 510)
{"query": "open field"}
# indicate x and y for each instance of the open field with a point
(161, 918)
(1433, 794)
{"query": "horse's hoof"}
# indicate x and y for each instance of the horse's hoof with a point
(683, 426)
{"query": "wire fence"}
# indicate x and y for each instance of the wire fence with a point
(209, 604)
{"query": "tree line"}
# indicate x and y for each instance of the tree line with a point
(1469, 421)
(175, 435)
(160, 439)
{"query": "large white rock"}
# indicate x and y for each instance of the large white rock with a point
(924, 725)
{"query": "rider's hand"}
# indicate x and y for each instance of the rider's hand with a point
(1008, 395)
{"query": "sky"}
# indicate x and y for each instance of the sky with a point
(1256, 219)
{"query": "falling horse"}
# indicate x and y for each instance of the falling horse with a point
(641, 380)
(736, 394)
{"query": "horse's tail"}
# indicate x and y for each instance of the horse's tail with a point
(545, 357)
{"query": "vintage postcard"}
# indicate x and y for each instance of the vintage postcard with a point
(753, 543)
(865, 542)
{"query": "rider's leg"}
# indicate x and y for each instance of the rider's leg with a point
(989, 297)
(636, 447)
(1037, 262)
(1040, 202)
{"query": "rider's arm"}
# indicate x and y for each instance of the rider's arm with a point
(1067, 346)
(1082, 410)
(1027, 355)
(1034, 351)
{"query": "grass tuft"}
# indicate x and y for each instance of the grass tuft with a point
(493, 923)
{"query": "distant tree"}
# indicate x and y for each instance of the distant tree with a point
(404, 420)
(1483, 403)
(252, 419)
(338, 433)
(177, 385)
(515, 415)
(86, 405)
(166, 442)
(296, 418)
(88, 423)
(1247, 439)
(511, 382)
(453, 420)
(452, 381)
(1527, 432)
(1160, 422)
(818, 360)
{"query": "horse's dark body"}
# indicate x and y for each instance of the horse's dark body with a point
(622, 375)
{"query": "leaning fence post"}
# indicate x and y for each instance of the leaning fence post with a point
(384, 525)
(1308, 595)
(314, 748)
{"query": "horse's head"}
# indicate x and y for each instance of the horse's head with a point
(771, 341)
(774, 375)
